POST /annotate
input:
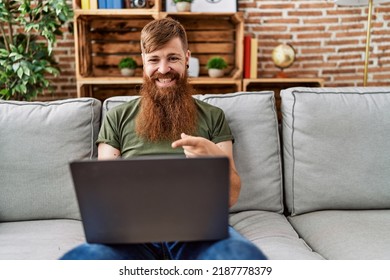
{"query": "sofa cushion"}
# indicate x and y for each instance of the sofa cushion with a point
(252, 119)
(346, 235)
(38, 140)
(273, 234)
(39, 240)
(336, 148)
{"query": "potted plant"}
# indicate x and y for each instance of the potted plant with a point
(216, 66)
(127, 66)
(183, 5)
(28, 33)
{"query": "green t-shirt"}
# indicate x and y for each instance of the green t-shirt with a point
(118, 130)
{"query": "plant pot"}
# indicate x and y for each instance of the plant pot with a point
(127, 72)
(183, 7)
(216, 73)
(193, 70)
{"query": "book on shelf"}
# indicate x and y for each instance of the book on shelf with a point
(253, 58)
(247, 56)
(85, 4)
(115, 4)
(93, 4)
(102, 4)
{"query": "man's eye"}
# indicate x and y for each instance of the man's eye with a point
(174, 58)
(153, 60)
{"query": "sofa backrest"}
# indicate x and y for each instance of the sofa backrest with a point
(37, 141)
(253, 121)
(336, 148)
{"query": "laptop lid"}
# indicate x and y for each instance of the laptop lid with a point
(153, 199)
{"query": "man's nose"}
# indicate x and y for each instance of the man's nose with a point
(164, 67)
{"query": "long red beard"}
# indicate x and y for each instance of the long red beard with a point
(166, 112)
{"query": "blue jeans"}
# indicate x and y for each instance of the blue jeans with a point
(234, 247)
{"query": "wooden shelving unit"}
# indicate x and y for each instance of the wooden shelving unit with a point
(277, 84)
(104, 36)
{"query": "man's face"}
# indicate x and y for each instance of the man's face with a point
(167, 106)
(166, 65)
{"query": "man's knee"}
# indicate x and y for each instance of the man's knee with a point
(242, 250)
(91, 252)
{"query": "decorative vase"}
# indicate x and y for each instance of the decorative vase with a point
(193, 70)
(183, 7)
(216, 73)
(127, 72)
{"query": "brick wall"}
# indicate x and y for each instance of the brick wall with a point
(329, 41)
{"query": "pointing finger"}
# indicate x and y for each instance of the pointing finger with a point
(185, 140)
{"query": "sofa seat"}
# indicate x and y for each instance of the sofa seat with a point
(346, 235)
(317, 192)
(39, 214)
(40, 239)
(273, 234)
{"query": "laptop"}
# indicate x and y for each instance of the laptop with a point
(153, 199)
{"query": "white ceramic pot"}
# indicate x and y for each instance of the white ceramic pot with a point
(216, 73)
(183, 7)
(127, 72)
(193, 70)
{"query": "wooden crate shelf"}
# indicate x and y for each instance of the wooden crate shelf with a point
(103, 91)
(205, 85)
(154, 6)
(104, 40)
(214, 34)
(104, 36)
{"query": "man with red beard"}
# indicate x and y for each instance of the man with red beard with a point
(168, 120)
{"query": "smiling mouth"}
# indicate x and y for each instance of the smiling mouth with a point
(165, 81)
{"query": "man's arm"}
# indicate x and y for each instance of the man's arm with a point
(106, 151)
(199, 146)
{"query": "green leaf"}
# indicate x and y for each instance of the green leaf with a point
(23, 88)
(16, 66)
(52, 70)
(26, 70)
(13, 48)
(4, 53)
(20, 72)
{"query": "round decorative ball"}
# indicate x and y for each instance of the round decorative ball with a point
(283, 56)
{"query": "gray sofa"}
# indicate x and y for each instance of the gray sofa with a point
(318, 187)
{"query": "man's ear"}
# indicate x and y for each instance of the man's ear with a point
(143, 58)
(188, 55)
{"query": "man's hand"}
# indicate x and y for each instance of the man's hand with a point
(197, 146)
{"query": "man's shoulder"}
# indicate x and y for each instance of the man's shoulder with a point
(203, 105)
(127, 106)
